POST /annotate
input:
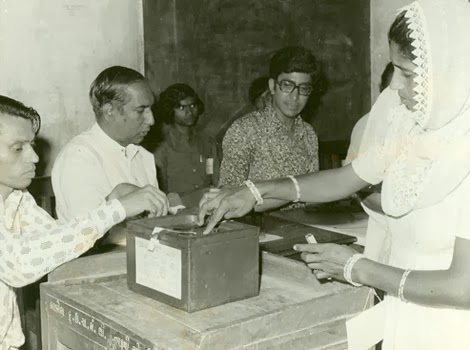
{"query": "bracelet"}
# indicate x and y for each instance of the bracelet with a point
(347, 271)
(401, 286)
(297, 188)
(254, 191)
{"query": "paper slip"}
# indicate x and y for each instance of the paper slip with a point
(267, 237)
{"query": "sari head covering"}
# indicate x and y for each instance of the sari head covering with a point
(423, 155)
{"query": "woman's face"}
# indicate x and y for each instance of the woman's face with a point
(403, 76)
(187, 113)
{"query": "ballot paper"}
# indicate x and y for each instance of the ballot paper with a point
(267, 237)
(158, 268)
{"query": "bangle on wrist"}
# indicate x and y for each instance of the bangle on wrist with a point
(401, 286)
(254, 191)
(347, 270)
(297, 188)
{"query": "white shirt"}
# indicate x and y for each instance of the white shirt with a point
(91, 165)
(32, 244)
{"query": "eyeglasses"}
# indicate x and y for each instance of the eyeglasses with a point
(190, 106)
(289, 86)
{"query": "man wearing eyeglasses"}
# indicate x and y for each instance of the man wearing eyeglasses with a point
(275, 141)
(108, 154)
(185, 156)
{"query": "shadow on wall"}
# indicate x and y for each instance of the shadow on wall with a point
(43, 150)
(315, 99)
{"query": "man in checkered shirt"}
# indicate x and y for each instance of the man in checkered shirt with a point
(32, 243)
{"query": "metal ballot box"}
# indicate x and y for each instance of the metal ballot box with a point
(179, 266)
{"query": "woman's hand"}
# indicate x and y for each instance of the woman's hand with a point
(328, 257)
(224, 204)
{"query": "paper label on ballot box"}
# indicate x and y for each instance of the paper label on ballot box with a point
(159, 269)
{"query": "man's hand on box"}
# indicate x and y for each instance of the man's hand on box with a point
(122, 190)
(137, 200)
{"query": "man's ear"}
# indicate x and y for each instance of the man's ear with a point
(272, 85)
(107, 110)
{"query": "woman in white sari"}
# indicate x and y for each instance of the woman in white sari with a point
(424, 163)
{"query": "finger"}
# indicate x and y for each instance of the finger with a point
(201, 215)
(159, 209)
(309, 248)
(204, 209)
(315, 266)
(311, 257)
(166, 206)
(160, 206)
(215, 218)
(158, 203)
(321, 275)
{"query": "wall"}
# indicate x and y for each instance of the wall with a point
(382, 13)
(51, 52)
(220, 46)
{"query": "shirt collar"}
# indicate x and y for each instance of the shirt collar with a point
(9, 208)
(270, 113)
(110, 144)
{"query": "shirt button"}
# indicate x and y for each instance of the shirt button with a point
(196, 186)
(194, 170)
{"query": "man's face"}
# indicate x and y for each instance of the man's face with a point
(290, 104)
(17, 156)
(187, 113)
(403, 76)
(132, 120)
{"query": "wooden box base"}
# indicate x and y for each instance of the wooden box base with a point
(292, 311)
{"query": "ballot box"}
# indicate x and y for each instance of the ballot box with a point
(292, 311)
(170, 260)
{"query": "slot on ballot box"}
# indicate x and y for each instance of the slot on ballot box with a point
(170, 260)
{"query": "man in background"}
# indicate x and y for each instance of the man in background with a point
(93, 163)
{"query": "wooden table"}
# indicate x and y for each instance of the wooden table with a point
(292, 311)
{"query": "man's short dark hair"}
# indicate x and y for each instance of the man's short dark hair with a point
(15, 108)
(294, 59)
(110, 85)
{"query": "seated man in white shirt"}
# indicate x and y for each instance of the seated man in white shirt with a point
(32, 243)
(93, 163)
